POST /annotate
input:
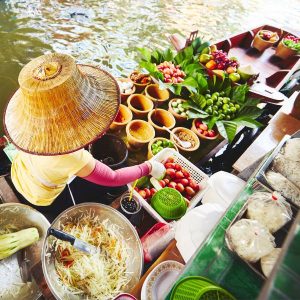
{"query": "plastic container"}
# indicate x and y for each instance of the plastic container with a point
(111, 150)
(199, 176)
(169, 203)
(156, 239)
(196, 287)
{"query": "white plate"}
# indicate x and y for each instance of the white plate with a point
(160, 280)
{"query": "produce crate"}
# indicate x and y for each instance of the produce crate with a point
(196, 174)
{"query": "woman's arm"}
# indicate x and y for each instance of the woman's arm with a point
(99, 173)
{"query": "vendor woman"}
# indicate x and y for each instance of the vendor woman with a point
(59, 109)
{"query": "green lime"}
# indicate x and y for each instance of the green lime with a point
(219, 103)
(207, 96)
(233, 109)
(209, 102)
(237, 106)
(234, 77)
(215, 113)
(165, 143)
(221, 116)
(215, 94)
(208, 110)
(222, 93)
(225, 106)
(215, 107)
(160, 148)
(159, 143)
(225, 101)
(171, 144)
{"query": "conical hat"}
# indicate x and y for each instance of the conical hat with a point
(60, 107)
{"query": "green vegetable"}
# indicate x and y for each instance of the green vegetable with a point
(165, 143)
(10, 243)
(159, 143)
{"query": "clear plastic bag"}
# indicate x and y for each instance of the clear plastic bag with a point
(267, 262)
(250, 240)
(269, 209)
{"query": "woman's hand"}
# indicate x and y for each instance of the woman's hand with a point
(157, 170)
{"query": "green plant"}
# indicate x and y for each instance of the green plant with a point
(186, 61)
(224, 106)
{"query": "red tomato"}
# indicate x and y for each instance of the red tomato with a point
(153, 191)
(180, 187)
(189, 190)
(172, 184)
(162, 183)
(203, 127)
(142, 194)
(169, 165)
(185, 173)
(205, 133)
(198, 123)
(170, 160)
(166, 180)
(197, 187)
(211, 133)
(148, 193)
(200, 130)
(171, 173)
(193, 184)
(179, 174)
(184, 181)
(178, 167)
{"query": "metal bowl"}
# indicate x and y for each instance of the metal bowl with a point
(135, 260)
(16, 268)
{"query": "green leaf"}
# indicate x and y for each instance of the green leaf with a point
(199, 50)
(188, 52)
(250, 112)
(191, 68)
(202, 83)
(168, 55)
(196, 43)
(239, 93)
(177, 89)
(146, 53)
(198, 99)
(227, 129)
(179, 58)
(192, 106)
(156, 57)
(252, 102)
(212, 122)
(150, 67)
(194, 114)
(190, 83)
(248, 122)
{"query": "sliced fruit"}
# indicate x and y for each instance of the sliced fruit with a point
(246, 72)
(219, 73)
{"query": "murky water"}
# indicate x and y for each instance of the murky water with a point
(106, 33)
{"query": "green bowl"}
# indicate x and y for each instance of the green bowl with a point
(199, 288)
(169, 203)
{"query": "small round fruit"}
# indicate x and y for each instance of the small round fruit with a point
(179, 175)
(180, 187)
(172, 184)
(190, 191)
(142, 194)
(171, 173)
(204, 58)
(162, 183)
(203, 126)
(148, 193)
(211, 133)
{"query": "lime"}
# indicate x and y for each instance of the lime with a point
(215, 113)
(215, 94)
(215, 107)
(222, 93)
(204, 58)
(209, 102)
(207, 96)
(233, 109)
(234, 77)
(237, 106)
(228, 117)
(225, 106)
(159, 143)
(246, 72)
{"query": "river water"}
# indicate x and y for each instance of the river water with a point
(106, 33)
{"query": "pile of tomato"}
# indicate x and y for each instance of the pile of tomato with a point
(176, 177)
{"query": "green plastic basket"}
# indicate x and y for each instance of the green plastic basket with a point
(169, 203)
(199, 288)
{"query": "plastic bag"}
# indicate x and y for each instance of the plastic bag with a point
(250, 240)
(281, 184)
(269, 209)
(267, 262)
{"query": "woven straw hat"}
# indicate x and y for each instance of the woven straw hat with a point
(60, 106)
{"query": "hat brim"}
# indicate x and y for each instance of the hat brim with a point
(70, 128)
